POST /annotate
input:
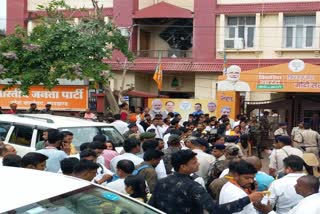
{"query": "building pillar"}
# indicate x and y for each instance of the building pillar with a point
(123, 11)
(280, 30)
(204, 30)
(317, 29)
(101, 102)
(222, 30)
(17, 13)
(258, 31)
(30, 26)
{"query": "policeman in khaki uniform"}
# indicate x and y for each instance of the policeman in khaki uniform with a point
(255, 133)
(309, 140)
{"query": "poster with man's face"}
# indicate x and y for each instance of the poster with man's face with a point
(183, 106)
(169, 106)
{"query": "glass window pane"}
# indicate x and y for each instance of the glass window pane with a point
(4, 129)
(242, 20)
(310, 20)
(289, 37)
(300, 20)
(289, 20)
(89, 199)
(250, 37)
(240, 31)
(81, 134)
(232, 32)
(299, 36)
(232, 20)
(309, 36)
(251, 20)
(21, 135)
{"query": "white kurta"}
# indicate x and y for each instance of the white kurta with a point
(231, 192)
(283, 194)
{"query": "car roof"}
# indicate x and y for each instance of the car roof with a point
(21, 187)
(50, 121)
(35, 186)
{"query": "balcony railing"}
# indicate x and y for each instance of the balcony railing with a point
(172, 53)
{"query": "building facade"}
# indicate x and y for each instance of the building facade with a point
(191, 39)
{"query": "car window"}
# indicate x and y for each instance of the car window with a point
(112, 135)
(89, 199)
(81, 134)
(4, 128)
(21, 135)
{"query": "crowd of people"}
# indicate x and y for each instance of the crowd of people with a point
(201, 164)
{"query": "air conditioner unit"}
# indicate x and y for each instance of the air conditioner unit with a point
(229, 43)
(124, 31)
(238, 43)
(234, 43)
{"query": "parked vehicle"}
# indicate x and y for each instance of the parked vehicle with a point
(44, 192)
(23, 131)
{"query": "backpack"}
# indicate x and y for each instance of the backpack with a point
(137, 171)
(215, 170)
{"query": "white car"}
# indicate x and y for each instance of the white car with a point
(38, 192)
(23, 131)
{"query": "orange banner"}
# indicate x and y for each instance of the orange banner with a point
(64, 98)
(228, 103)
(295, 76)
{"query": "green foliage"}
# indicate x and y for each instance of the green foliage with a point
(58, 48)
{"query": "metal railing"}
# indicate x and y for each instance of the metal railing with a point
(171, 53)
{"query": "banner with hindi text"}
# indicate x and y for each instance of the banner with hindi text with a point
(63, 98)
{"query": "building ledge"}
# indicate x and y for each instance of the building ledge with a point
(248, 50)
(316, 51)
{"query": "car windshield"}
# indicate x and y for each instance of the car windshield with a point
(112, 135)
(85, 134)
(91, 199)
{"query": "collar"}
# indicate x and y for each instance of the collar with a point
(295, 174)
(51, 147)
(198, 150)
(181, 175)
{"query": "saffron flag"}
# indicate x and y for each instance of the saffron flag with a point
(157, 77)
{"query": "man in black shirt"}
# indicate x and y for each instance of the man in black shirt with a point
(178, 193)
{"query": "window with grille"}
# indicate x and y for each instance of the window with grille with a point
(240, 29)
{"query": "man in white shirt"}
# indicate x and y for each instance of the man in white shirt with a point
(157, 129)
(282, 150)
(131, 147)
(232, 82)
(51, 151)
(283, 195)
(124, 168)
(308, 187)
(240, 186)
(103, 174)
(204, 159)
(282, 130)
(121, 126)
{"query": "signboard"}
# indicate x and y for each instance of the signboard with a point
(295, 76)
(228, 103)
(183, 106)
(64, 98)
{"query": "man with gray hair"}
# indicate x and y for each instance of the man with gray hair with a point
(232, 82)
(156, 109)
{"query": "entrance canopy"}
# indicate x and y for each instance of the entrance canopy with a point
(295, 76)
(163, 10)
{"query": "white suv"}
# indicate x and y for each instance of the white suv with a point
(23, 131)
